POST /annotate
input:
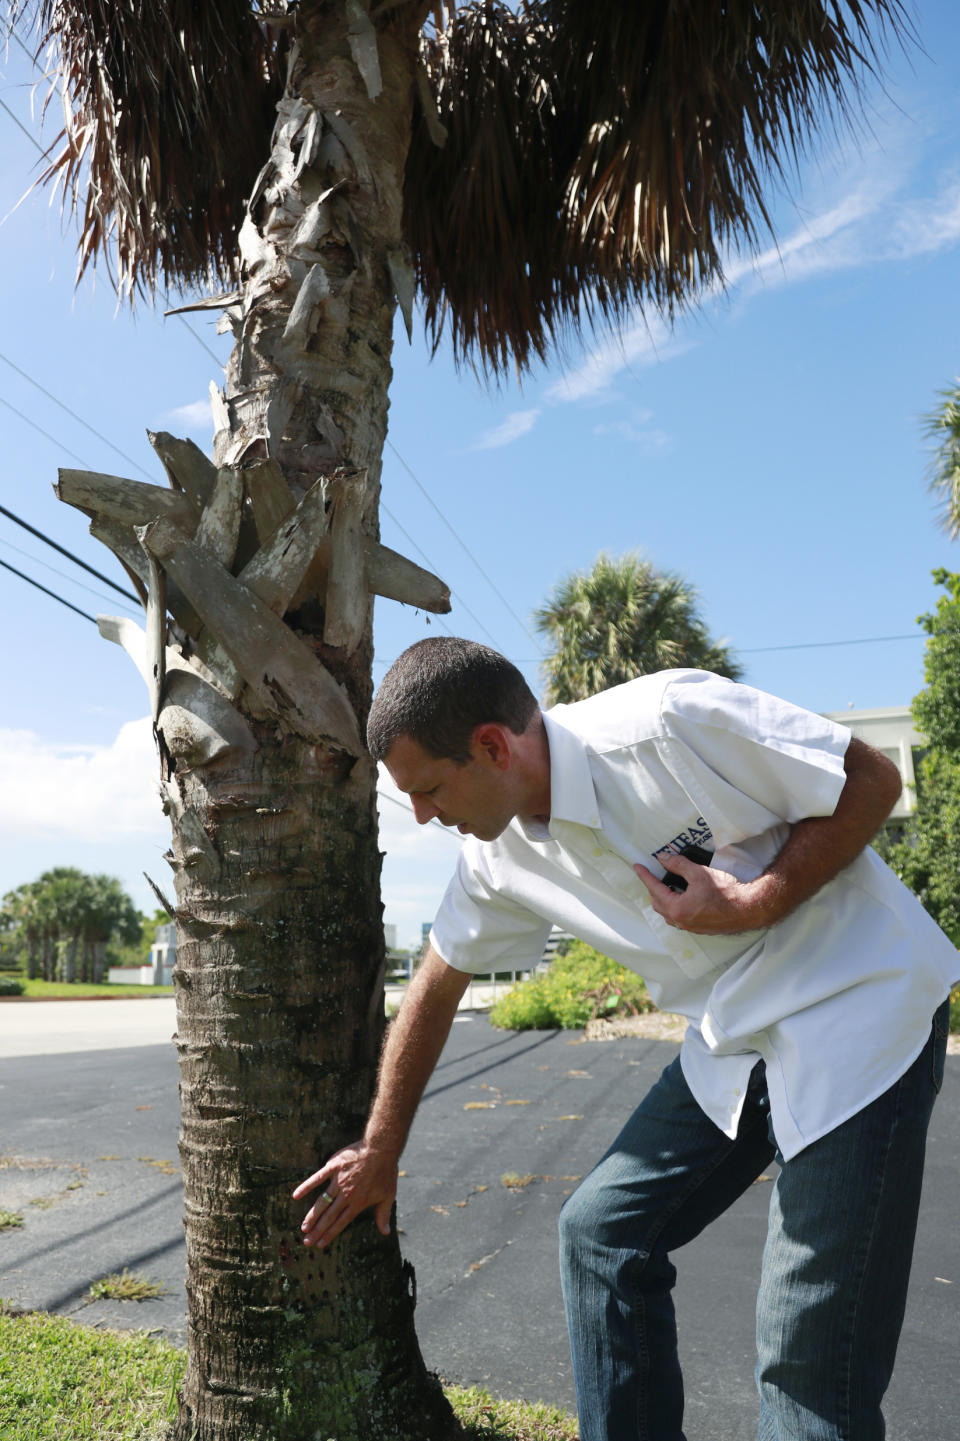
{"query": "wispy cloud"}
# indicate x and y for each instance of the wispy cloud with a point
(521, 422)
(195, 416)
(873, 223)
(646, 343)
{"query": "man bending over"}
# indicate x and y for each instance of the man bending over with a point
(713, 839)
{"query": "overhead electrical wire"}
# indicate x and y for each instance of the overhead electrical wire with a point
(73, 414)
(40, 430)
(68, 578)
(434, 822)
(462, 544)
(52, 593)
(69, 554)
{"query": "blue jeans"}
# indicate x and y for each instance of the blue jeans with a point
(833, 1289)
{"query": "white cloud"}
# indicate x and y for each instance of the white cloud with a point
(195, 416)
(95, 793)
(646, 343)
(647, 439)
(873, 223)
(926, 226)
(521, 422)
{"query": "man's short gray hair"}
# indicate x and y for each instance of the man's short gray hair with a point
(437, 693)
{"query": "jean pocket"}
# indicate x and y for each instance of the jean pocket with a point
(941, 1030)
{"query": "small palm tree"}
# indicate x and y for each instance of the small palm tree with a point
(619, 620)
(942, 426)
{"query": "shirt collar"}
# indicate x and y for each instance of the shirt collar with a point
(572, 794)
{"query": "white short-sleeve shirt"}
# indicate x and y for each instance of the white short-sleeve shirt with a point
(837, 998)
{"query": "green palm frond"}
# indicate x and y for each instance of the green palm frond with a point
(942, 427)
(620, 619)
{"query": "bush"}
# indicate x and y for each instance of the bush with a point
(579, 986)
(10, 986)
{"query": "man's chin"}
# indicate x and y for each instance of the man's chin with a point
(484, 833)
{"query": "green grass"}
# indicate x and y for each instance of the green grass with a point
(10, 1219)
(78, 991)
(125, 1286)
(62, 1379)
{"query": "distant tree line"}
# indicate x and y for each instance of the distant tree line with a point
(926, 859)
(63, 925)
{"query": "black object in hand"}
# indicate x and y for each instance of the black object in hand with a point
(692, 853)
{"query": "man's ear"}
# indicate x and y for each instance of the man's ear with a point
(493, 741)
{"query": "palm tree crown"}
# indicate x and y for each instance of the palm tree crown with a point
(570, 160)
(619, 620)
(942, 426)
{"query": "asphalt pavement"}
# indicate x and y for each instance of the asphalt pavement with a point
(509, 1125)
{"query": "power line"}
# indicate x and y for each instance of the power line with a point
(434, 822)
(47, 592)
(45, 433)
(463, 546)
(424, 557)
(822, 644)
(20, 126)
(69, 554)
(768, 649)
(78, 418)
(63, 575)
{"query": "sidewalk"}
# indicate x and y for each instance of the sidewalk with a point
(51, 1028)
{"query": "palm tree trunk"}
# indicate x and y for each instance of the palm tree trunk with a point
(67, 960)
(280, 954)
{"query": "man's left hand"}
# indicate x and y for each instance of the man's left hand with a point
(714, 903)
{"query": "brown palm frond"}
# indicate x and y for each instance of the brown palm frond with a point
(168, 110)
(605, 155)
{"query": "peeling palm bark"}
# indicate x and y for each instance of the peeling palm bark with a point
(258, 572)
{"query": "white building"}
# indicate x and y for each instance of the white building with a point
(889, 729)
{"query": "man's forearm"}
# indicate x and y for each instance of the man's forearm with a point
(365, 1174)
(820, 847)
(412, 1050)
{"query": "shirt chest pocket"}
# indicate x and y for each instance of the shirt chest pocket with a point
(694, 955)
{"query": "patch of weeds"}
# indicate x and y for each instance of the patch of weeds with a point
(515, 1182)
(166, 1168)
(43, 1203)
(127, 1286)
(9, 1220)
(485, 1418)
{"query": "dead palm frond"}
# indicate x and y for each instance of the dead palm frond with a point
(604, 155)
(600, 154)
(168, 110)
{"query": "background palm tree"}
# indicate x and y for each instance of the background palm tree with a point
(618, 620)
(525, 172)
(942, 427)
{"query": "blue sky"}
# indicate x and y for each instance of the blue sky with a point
(769, 448)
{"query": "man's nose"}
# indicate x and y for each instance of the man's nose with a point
(423, 810)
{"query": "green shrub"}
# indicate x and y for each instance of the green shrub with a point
(579, 986)
(11, 986)
(955, 1010)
